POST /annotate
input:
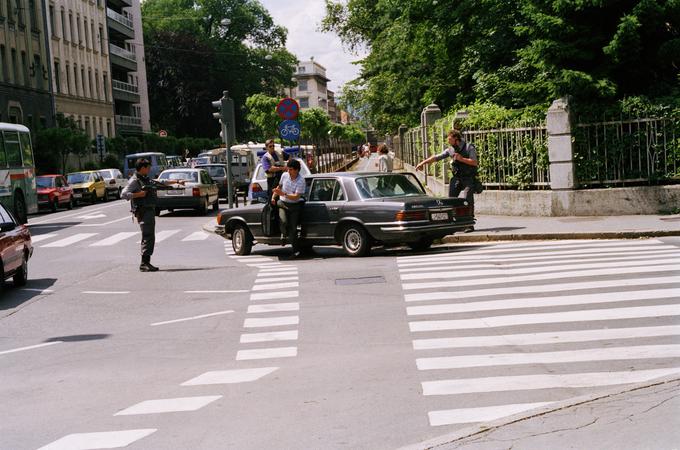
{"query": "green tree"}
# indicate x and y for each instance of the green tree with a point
(314, 124)
(261, 114)
(54, 145)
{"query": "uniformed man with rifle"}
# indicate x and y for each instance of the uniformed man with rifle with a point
(141, 192)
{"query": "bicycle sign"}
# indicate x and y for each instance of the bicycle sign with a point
(288, 109)
(290, 130)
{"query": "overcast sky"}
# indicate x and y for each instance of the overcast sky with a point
(303, 18)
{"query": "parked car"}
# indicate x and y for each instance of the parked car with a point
(258, 184)
(158, 163)
(174, 161)
(115, 182)
(54, 192)
(199, 191)
(357, 211)
(218, 172)
(87, 185)
(15, 249)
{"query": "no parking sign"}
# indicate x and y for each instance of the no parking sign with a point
(288, 109)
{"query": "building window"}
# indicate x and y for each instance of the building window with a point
(109, 133)
(37, 64)
(33, 16)
(106, 87)
(89, 80)
(53, 28)
(72, 27)
(15, 71)
(96, 84)
(10, 12)
(304, 102)
(57, 77)
(75, 80)
(4, 72)
(87, 33)
(301, 69)
(68, 79)
(63, 24)
(82, 80)
(94, 44)
(302, 85)
(101, 39)
(24, 70)
(20, 14)
(79, 31)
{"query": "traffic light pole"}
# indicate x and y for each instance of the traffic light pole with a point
(225, 105)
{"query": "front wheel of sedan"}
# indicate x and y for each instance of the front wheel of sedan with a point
(70, 203)
(21, 276)
(355, 241)
(241, 241)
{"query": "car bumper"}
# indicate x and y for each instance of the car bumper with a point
(403, 232)
(179, 202)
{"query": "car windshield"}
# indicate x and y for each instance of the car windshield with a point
(106, 173)
(188, 176)
(389, 185)
(75, 178)
(44, 182)
(215, 171)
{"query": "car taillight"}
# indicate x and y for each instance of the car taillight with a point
(403, 216)
(112, 181)
(196, 192)
(256, 187)
(463, 211)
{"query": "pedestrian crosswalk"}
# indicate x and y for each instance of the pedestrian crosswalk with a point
(539, 322)
(57, 240)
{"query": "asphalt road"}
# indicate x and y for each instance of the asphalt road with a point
(217, 351)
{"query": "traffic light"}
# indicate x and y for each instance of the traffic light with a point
(225, 114)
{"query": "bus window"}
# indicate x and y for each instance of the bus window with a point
(12, 148)
(3, 158)
(26, 151)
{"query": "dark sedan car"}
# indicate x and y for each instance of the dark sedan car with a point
(357, 211)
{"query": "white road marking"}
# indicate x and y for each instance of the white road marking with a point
(583, 355)
(265, 353)
(230, 376)
(273, 286)
(273, 307)
(30, 347)
(553, 337)
(106, 292)
(540, 302)
(529, 382)
(576, 285)
(163, 235)
(483, 414)
(58, 217)
(169, 405)
(91, 216)
(591, 273)
(40, 291)
(104, 223)
(271, 322)
(253, 259)
(104, 439)
(291, 277)
(197, 236)
(277, 269)
(70, 240)
(42, 237)
(235, 291)
(560, 317)
(113, 240)
(290, 335)
(202, 316)
(273, 295)
(266, 265)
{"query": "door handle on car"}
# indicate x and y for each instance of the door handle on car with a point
(334, 209)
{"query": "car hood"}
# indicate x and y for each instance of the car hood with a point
(46, 190)
(82, 185)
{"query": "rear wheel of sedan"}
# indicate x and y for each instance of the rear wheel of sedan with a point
(55, 205)
(241, 241)
(21, 276)
(355, 240)
(119, 193)
(216, 205)
(203, 209)
(70, 203)
(421, 245)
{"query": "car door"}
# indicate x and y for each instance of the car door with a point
(10, 248)
(323, 208)
(59, 186)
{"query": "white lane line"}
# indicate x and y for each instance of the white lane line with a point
(253, 259)
(273, 307)
(587, 315)
(291, 277)
(202, 316)
(40, 291)
(529, 382)
(30, 347)
(196, 236)
(103, 224)
(70, 240)
(265, 353)
(267, 265)
(271, 322)
(586, 299)
(104, 439)
(278, 268)
(230, 376)
(580, 266)
(235, 291)
(483, 414)
(583, 355)
(651, 256)
(113, 240)
(42, 237)
(106, 292)
(278, 273)
(574, 286)
(59, 217)
(553, 337)
(591, 273)
(163, 235)
(274, 295)
(273, 286)
(169, 405)
(290, 335)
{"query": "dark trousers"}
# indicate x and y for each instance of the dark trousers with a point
(147, 224)
(463, 188)
(272, 182)
(289, 215)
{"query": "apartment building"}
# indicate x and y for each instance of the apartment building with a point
(312, 85)
(24, 64)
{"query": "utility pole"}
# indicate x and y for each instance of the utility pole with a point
(225, 114)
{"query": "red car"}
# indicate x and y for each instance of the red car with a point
(53, 192)
(15, 249)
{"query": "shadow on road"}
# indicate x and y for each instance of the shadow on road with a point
(13, 297)
(78, 338)
(37, 230)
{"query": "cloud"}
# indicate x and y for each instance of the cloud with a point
(302, 18)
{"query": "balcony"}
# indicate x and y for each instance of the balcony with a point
(119, 25)
(119, 3)
(125, 92)
(123, 58)
(126, 125)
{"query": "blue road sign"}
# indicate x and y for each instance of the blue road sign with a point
(290, 130)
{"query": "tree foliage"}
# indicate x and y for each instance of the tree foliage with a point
(54, 145)
(261, 114)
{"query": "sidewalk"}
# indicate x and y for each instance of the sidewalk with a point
(644, 416)
(510, 228)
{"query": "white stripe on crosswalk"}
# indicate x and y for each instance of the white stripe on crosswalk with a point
(103, 439)
(70, 240)
(483, 414)
(252, 259)
(273, 286)
(266, 265)
(566, 356)
(265, 353)
(553, 337)
(42, 237)
(289, 277)
(561, 317)
(530, 382)
(169, 405)
(560, 287)
(196, 236)
(277, 271)
(271, 322)
(540, 302)
(163, 235)
(290, 335)
(273, 307)
(113, 240)
(230, 376)
(274, 295)
(590, 273)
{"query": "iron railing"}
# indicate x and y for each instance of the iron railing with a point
(121, 19)
(128, 120)
(125, 87)
(123, 53)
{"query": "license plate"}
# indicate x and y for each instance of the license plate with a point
(175, 192)
(77, 195)
(439, 216)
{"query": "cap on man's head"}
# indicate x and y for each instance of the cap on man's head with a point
(141, 163)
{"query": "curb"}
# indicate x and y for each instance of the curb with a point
(457, 239)
(464, 433)
(210, 227)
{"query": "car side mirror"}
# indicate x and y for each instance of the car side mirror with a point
(7, 226)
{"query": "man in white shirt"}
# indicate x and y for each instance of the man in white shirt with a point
(385, 163)
(290, 190)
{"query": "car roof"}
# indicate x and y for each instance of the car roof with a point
(49, 176)
(350, 174)
(182, 169)
(83, 171)
(210, 165)
(132, 155)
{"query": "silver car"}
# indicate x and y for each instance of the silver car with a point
(115, 182)
(199, 191)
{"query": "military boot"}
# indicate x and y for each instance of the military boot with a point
(146, 266)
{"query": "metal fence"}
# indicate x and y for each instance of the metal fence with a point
(333, 155)
(633, 151)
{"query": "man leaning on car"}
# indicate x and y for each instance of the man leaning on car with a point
(290, 191)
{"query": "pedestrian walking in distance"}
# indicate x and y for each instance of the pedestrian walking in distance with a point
(463, 166)
(141, 192)
(385, 163)
(290, 201)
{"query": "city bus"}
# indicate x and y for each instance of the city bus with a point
(18, 191)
